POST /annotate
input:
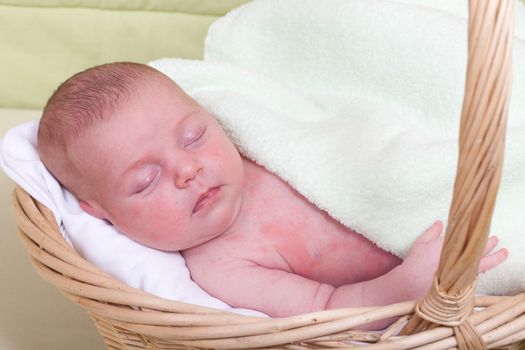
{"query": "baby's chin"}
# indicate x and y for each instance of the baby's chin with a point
(224, 227)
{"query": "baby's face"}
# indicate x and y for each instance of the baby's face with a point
(162, 170)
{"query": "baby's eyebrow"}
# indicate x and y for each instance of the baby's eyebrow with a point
(189, 115)
(135, 167)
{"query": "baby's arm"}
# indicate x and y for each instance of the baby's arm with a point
(276, 292)
(412, 279)
(279, 293)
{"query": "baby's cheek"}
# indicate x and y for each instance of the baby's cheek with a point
(140, 222)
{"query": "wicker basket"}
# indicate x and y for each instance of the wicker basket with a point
(128, 318)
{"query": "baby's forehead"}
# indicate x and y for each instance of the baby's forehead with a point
(91, 144)
(90, 161)
(148, 97)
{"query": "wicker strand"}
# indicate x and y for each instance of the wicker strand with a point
(467, 337)
(445, 309)
(480, 163)
(481, 147)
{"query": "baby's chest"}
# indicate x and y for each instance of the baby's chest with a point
(284, 230)
(312, 244)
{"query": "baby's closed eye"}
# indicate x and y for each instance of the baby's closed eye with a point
(193, 135)
(145, 178)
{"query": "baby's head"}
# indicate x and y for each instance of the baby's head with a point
(139, 152)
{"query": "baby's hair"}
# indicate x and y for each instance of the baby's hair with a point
(79, 103)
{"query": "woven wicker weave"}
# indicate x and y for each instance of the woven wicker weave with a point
(128, 318)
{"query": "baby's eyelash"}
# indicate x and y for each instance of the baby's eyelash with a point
(147, 182)
(201, 134)
(196, 138)
(142, 187)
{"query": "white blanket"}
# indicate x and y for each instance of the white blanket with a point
(355, 103)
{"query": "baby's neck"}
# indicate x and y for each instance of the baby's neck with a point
(255, 177)
(256, 180)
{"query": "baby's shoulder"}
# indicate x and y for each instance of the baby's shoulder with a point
(229, 254)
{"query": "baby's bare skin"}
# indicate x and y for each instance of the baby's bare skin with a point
(279, 231)
(284, 256)
(279, 228)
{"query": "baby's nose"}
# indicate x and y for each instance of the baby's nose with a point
(186, 172)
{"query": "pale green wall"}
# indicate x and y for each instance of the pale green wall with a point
(42, 43)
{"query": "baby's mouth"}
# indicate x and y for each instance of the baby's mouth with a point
(205, 199)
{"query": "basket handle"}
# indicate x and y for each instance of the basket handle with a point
(481, 148)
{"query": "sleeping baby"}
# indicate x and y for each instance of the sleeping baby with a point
(139, 152)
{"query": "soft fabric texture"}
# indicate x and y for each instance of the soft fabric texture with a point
(356, 104)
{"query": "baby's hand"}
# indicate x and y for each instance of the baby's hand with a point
(423, 257)
(491, 260)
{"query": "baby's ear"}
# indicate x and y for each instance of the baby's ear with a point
(93, 210)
